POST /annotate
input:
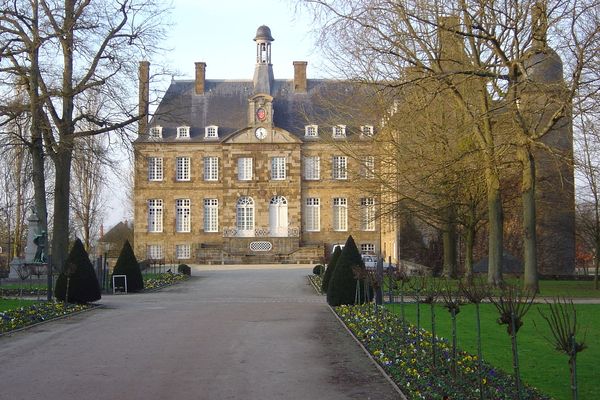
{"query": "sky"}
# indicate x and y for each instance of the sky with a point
(220, 34)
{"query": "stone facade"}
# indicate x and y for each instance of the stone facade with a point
(267, 128)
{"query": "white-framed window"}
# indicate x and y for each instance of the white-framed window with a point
(182, 168)
(155, 252)
(339, 131)
(367, 214)
(183, 132)
(339, 167)
(211, 131)
(211, 215)
(312, 214)
(182, 215)
(155, 169)
(366, 130)
(245, 168)
(340, 214)
(367, 248)
(311, 131)
(183, 251)
(155, 215)
(278, 168)
(155, 132)
(211, 168)
(245, 215)
(312, 168)
(367, 167)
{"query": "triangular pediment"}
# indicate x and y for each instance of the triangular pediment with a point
(271, 136)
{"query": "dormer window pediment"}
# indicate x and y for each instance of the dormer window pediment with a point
(311, 131)
(183, 132)
(211, 132)
(339, 131)
(155, 132)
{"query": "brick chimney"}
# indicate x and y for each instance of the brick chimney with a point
(200, 77)
(144, 92)
(300, 76)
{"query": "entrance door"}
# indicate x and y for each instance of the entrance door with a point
(278, 216)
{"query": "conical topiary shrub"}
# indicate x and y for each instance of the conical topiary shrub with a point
(330, 269)
(77, 278)
(128, 265)
(342, 286)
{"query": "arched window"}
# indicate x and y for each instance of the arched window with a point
(245, 216)
(278, 216)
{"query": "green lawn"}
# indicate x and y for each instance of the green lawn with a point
(9, 304)
(548, 288)
(541, 365)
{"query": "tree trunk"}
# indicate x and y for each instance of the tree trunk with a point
(449, 243)
(469, 243)
(530, 278)
(60, 240)
(496, 234)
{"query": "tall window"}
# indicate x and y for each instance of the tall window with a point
(183, 132)
(312, 214)
(155, 252)
(340, 214)
(182, 215)
(156, 132)
(182, 169)
(339, 167)
(211, 215)
(245, 216)
(311, 131)
(155, 215)
(155, 168)
(211, 131)
(245, 169)
(278, 168)
(367, 214)
(339, 131)
(312, 168)
(211, 168)
(183, 251)
(367, 167)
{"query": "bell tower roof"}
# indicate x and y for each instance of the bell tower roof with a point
(263, 33)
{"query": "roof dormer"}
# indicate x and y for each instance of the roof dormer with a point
(211, 132)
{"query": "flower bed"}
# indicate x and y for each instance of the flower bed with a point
(405, 353)
(161, 280)
(21, 317)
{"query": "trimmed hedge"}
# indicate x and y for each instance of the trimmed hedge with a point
(128, 265)
(342, 287)
(184, 269)
(330, 269)
(318, 269)
(82, 281)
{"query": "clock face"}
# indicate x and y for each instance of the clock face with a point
(261, 114)
(260, 133)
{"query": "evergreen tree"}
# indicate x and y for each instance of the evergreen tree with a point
(342, 286)
(128, 265)
(78, 278)
(330, 269)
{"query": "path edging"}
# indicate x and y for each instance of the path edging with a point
(381, 370)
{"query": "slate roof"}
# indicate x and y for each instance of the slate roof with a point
(225, 104)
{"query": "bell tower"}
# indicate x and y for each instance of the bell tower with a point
(263, 72)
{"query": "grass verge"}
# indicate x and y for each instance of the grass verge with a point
(541, 365)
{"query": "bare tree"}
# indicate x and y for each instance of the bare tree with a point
(87, 186)
(66, 53)
(493, 61)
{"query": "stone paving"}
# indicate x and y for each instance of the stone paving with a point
(256, 332)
